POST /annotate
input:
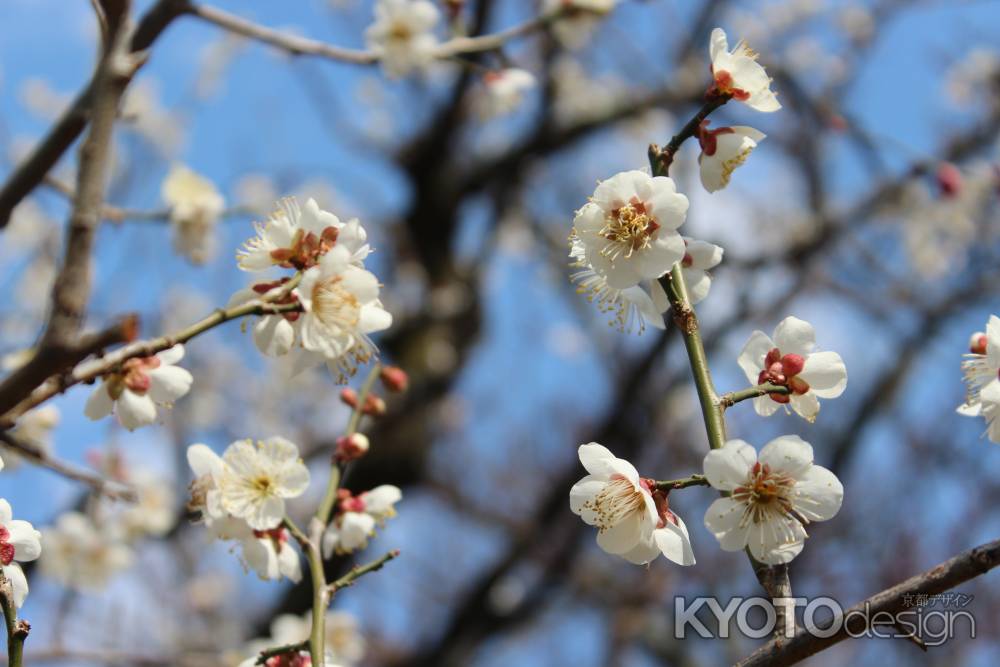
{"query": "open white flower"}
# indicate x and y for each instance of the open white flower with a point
(257, 478)
(270, 554)
(19, 542)
(579, 21)
(33, 428)
(771, 497)
(699, 257)
(340, 309)
(274, 335)
(82, 555)
(722, 151)
(628, 229)
(358, 517)
(631, 308)
(633, 519)
(504, 91)
(789, 361)
(138, 387)
(738, 73)
(403, 35)
(344, 641)
(981, 368)
(296, 237)
(195, 206)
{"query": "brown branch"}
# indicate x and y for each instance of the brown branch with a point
(943, 577)
(60, 346)
(30, 172)
(100, 485)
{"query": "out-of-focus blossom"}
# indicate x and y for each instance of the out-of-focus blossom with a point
(771, 497)
(195, 206)
(403, 35)
(34, 428)
(142, 383)
(789, 361)
(579, 19)
(344, 642)
(976, 77)
(80, 554)
(504, 91)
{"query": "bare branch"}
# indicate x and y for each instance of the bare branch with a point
(943, 577)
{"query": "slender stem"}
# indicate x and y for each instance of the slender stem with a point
(297, 533)
(733, 397)
(682, 483)
(321, 599)
(359, 571)
(687, 321)
(90, 371)
(336, 473)
(661, 159)
(17, 630)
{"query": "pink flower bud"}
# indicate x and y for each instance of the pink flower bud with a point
(792, 364)
(349, 397)
(351, 447)
(374, 406)
(395, 379)
(977, 343)
(949, 179)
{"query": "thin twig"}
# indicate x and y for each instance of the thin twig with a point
(731, 398)
(945, 576)
(90, 371)
(359, 571)
(296, 45)
(100, 485)
(682, 483)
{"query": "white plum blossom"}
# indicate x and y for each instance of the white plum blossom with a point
(19, 543)
(256, 479)
(403, 35)
(789, 361)
(273, 334)
(699, 257)
(142, 383)
(722, 151)
(357, 518)
(579, 19)
(628, 228)
(296, 237)
(770, 498)
(631, 308)
(195, 206)
(270, 554)
(981, 368)
(81, 555)
(343, 641)
(205, 498)
(33, 428)
(633, 518)
(737, 73)
(341, 309)
(504, 91)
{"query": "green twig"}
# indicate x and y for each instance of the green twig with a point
(359, 571)
(682, 483)
(732, 398)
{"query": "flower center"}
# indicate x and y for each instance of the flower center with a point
(133, 376)
(724, 85)
(617, 500)
(783, 370)
(629, 228)
(6, 548)
(306, 249)
(766, 493)
(263, 484)
(335, 306)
